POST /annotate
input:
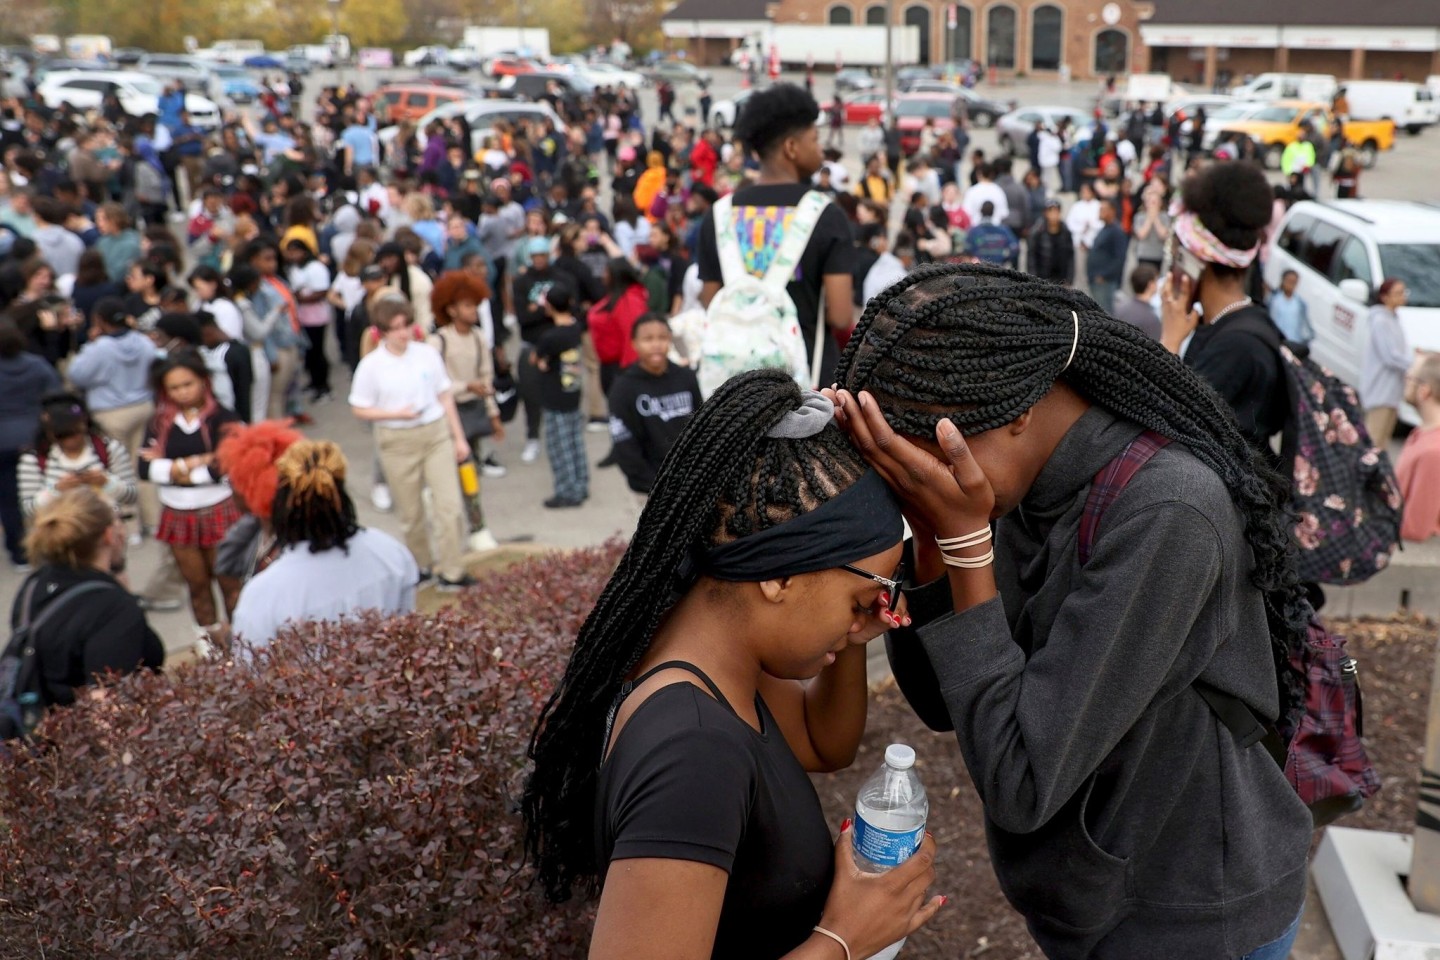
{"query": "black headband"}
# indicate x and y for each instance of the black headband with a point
(859, 522)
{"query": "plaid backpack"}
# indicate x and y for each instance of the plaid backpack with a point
(1320, 748)
(1343, 488)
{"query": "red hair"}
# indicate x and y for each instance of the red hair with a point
(453, 286)
(248, 455)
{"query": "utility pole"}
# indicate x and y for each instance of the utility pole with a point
(889, 61)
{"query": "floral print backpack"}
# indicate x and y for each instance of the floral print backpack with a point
(1343, 487)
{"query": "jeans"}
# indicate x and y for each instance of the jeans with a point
(1278, 949)
(10, 517)
(1103, 293)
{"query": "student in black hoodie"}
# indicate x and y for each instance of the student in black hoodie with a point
(1125, 820)
(650, 403)
(75, 540)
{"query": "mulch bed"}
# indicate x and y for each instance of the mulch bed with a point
(1397, 660)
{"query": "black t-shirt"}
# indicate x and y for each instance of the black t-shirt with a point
(687, 779)
(765, 211)
(1239, 357)
(561, 381)
(530, 289)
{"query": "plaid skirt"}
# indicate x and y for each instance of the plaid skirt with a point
(202, 528)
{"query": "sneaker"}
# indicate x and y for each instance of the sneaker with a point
(204, 647)
(426, 575)
(380, 498)
(23, 569)
(511, 322)
(609, 461)
(531, 452)
(483, 539)
(561, 503)
(492, 468)
(324, 396)
(446, 585)
(159, 604)
(135, 539)
(598, 426)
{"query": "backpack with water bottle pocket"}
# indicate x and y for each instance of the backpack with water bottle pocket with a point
(22, 687)
(751, 323)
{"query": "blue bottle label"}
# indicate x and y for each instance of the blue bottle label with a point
(888, 848)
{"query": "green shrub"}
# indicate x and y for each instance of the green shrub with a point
(350, 795)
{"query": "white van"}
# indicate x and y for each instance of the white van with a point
(1342, 250)
(1315, 87)
(1410, 105)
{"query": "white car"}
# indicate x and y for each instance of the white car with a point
(604, 74)
(426, 56)
(481, 115)
(139, 94)
(1342, 250)
(1220, 116)
(724, 112)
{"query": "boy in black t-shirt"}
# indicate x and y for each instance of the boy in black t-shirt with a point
(557, 357)
(778, 124)
(650, 403)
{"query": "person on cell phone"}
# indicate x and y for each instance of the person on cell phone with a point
(71, 451)
(1205, 314)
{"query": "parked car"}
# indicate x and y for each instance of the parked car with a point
(298, 64)
(398, 102)
(906, 76)
(602, 73)
(1288, 86)
(425, 56)
(1014, 127)
(981, 111)
(1342, 250)
(482, 116)
(191, 71)
(504, 66)
(1278, 125)
(724, 112)
(267, 61)
(533, 86)
(677, 71)
(127, 56)
(139, 94)
(914, 110)
(1216, 120)
(854, 79)
(861, 108)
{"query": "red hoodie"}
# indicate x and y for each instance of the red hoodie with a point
(610, 325)
(703, 161)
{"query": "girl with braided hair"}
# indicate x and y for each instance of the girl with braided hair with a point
(1077, 658)
(761, 566)
(329, 566)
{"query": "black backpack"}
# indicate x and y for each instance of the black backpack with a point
(22, 688)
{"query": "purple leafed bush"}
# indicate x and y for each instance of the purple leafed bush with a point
(350, 795)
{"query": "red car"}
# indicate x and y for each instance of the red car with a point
(912, 111)
(506, 66)
(863, 107)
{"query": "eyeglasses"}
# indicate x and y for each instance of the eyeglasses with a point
(894, 587)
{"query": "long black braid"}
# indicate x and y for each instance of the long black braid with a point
(722, 479)
(982, 344)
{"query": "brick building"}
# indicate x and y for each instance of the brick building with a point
(1197, 40)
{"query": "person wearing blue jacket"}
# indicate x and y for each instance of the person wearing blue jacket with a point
(113, 369)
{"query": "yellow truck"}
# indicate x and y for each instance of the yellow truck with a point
(1278, 125)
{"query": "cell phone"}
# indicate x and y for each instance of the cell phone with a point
(1183, 263)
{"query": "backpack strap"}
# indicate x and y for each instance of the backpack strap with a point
(101, 450)
(60, 602)
(726, 243)
(797, 237)
(1111, 481)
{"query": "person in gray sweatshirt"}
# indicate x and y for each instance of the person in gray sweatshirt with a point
(113, 369)
(1124, 819)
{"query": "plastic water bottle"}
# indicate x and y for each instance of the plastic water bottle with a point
(890, 815)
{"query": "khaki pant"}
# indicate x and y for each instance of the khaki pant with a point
(287, 366)
(413, 459)
(1380, 424)
(596, 407)
(127, 424)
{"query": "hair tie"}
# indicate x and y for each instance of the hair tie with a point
(813, 415)
(1074, 344)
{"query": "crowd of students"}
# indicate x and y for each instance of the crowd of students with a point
(460, 284)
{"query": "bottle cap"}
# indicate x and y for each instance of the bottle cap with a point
(899, 757)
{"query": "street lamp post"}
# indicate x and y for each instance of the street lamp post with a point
(886, 109)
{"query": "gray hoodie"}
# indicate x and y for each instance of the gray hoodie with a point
(114, 370)
(1124, 819)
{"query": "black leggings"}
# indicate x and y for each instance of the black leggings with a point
(527, 381)
(317, 364)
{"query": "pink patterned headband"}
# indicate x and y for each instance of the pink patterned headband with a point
(1200, 241)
